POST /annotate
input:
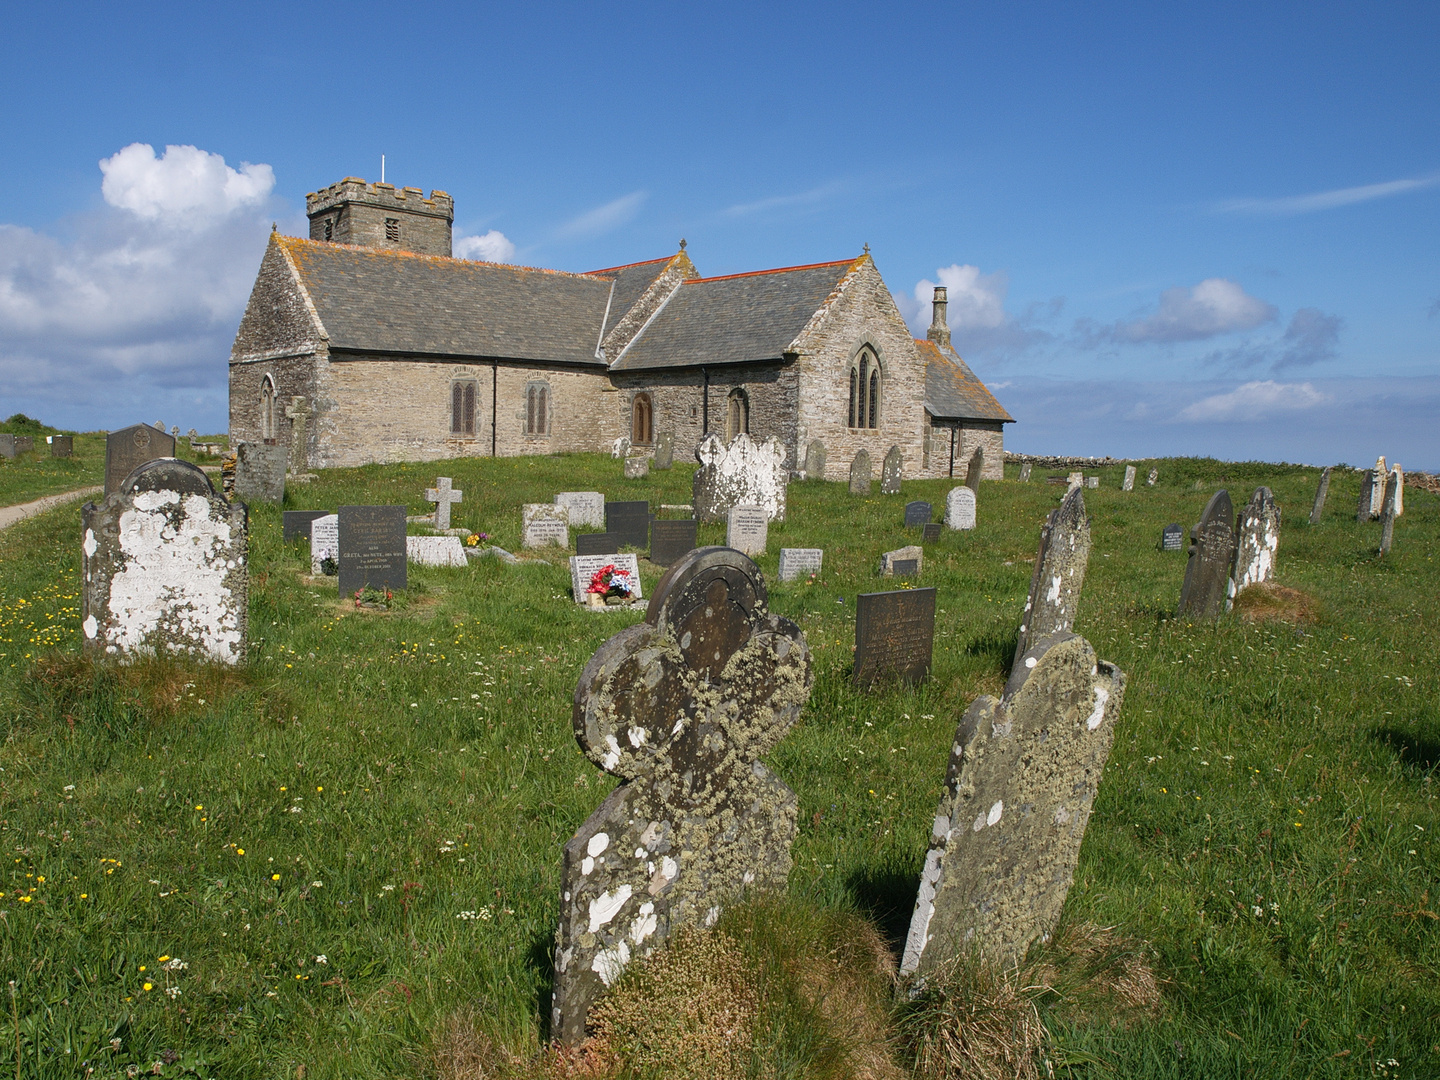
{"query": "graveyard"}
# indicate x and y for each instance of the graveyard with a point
(345, 856)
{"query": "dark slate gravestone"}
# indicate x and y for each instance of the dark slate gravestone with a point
(1172, 538)
(62, 446)
(974, 469)
(905, 568)
(1059, 574)
(680, 707)
(917, 514)
(167, 474)
(664, 451)
(671, 540)
(295, 524)
(1206, 591)
(601, 543)
(894, 635)
(1317, 510)
(890, 471)
(128, 447)
(931, 532)
(630, 522)
(372, 547)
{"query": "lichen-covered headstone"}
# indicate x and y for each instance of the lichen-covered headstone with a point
(544, 524)
(664, 452)
(1317, 509)
(165, 567)
(1397, 481)
(960, 509)
(1018, 792)
(1387, 517)
(1257, 540)
(620, 448)
(1059, 575)
(974, 469)
(1372, 492)
(1205, 592)
(890, 471)
(1128, 484)
(637, 468)
(745, 473)
(583, 509)
(260, 473)
(861, 473)
(1075, 480)
(1154, 476)
(680, 707)
(1025, 473)
(1092, 481)
(444, 495)
(815, 460)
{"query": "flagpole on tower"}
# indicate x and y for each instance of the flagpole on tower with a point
(382, 168)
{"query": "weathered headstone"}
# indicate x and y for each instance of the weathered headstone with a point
(1317, 509)
(1257, 540)
(1128, 484)
(1021, 782)
(159, 426)
(860, 474)
(583, 509)
(1075, 480)
(930, 532)
(1205, 593)
(799, 562)
(601, 543)
(681, 707)
(905, 568)
(1092, 481)
(435, 550)
(745, 473)
(1172, 538)
(7, 446)
(443, 495)
(62, 446)
(917, 514)
(192, 434)
(325, 545)
(1154, 476)
(890, 471)
(630, 522)
(542, 525)
(175, 431)
(747, 530)
(1058, 577)
(960, 509)
(671, 540)
(974, 469)
(372, 547)
(664, 451)
(128, 447)
(620, 448)
(165, 567)
(583, 568)
(1387, 517)
(24, 444)
(894, 635)
(815, 460)
(1397, 481)
(1372, 492)
(295, 524)
(1025, 473)
(259, 473)
(910, 553)
(637, 468)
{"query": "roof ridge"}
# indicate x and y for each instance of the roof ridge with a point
(626, 266)
(776, 270)
(395, 252)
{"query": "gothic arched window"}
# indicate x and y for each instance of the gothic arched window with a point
(267, 408)
(537, 408)
(737, 414)
(642, 420)
(865, 390)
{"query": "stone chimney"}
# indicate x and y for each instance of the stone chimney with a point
(939, 331)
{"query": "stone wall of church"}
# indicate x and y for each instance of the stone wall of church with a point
(864, 313)
(277, 319)
(968, 435)
(292, 377)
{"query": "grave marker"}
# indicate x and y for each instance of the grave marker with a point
(974, 469)
(1075, 480)
(62, 446)
(1154, 476)
(543, 524)
(630, 522)
(1172, 538)
(1025, 473)
(7, 446)
(583, 509)
(443, 495)
(601, 543)
(905, 568)
(325, 544)
(894, 635)
(1205, 592)
(671, 540)
(890, 470)
(1257, 541)
(815, 460)
(1387, 518)
(128, 447)
(584, 567)
(1128, 484)
(296, 523)
(620, 448)
(435, 550)
(371, 547)
(637, 468)
(298, 412)
(1092, 481)
(664, 452)
(911, 553)
(960, 509)
(1317, 509)
(931, 532)
(860, 474)
(800, 562)
(745, 473)
(1059, 575)
(747, 530)
(917, 514)
(1397, 481)
(259, 473)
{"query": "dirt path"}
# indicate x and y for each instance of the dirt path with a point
(9, 515)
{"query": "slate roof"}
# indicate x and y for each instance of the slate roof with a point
(952, 390)
(630, 285)
(733, 319)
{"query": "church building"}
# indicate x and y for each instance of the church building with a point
(390, 349)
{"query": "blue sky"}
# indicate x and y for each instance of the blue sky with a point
(1165, 229)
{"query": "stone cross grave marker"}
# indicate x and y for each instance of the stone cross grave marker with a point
(960, 509)
(815, 460)
(583, 509)
(543, 525)
(443, 495)
(681, 707)
(583, 568)
(1172, 538)
(890, 471)
(860, 474)
(671, 540)
(62, 446)
(175, 431)
(1058, 577)
(1154, 476)
(664, 451)
(796, 563)
(747, 530)
(259, 473)
(129, 447)
(1128, 484)
(372, 548)
(601, 543)
(296, 523)
(324, 544)
(1317, 509)
(917, 514)
(974, 469)
(630, 522)
(1257, 540)
(1387, 517)
(435, 550)
(1025, 473)
(1075, 480)
(930, 532)
(165, 567)
(745, 473)
(910, 553)
(298, 413)
(1205, 592)
(894, 635)
(1021, 782)
(637, 468)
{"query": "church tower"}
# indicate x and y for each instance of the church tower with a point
(381, 216)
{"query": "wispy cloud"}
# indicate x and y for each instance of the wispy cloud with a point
(1255, 401)
(1326, 200)
(1215, 306)
(777, 202)
(603, 218)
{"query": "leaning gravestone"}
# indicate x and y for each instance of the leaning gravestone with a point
(860, 474)
(960, 509)
(1205, 593)
(815, 460)
(664, 452)
(260, 473)
(917, 514)
(637, 468)
(1317, 509)
(745, 473)
(1058, 577)
(681, 707)
(62, 446)
(1022, 779)
(1387, 518)
(890, 560)
(165, 567)
(601, 543)
(974, 469)
(894, 635)
(325, 545)
(890, 471)
(629, 522)
(443, 495)
(583, 509)
(1172, 538)
(296, 523)
(1128, 484)
(1154, 476)
(797, 562)
(671, 540)
(1397, 481)
(435, 551)
(132, 446)
(747, 530)
(543, 524)
(372, 548)
(1257, 540)
(1025, 473)
(584, 567)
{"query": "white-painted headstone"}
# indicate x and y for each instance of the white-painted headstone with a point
(795, 563)
(960, 509)
(324, 542)
(435, 550)
(584, 567)
(543, 524)
(585, 509)
(745, 473)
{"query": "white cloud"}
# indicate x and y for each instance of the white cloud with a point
(1327, 200)
(977, 301)
(1213, 307)
(494, 246)
(1255, 401)
(185, 184)
(776, 202)
(603, 218)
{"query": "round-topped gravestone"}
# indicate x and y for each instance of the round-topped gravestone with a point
(1205, 593)
(167, 474)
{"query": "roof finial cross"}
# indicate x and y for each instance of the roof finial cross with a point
(867, 249)
(682, 243)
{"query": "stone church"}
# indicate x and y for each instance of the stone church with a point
(389, 349)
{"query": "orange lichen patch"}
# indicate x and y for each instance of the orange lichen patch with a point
(1267, 601)
(629, 266)
(300, 249)
(953, 390)
(777, 270)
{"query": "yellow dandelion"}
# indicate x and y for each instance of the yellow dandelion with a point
(274, 877)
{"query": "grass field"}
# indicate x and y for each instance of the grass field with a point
(324, 859)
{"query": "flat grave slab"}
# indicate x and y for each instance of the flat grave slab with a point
(601, 543)
(796, 563)
(435, 551)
